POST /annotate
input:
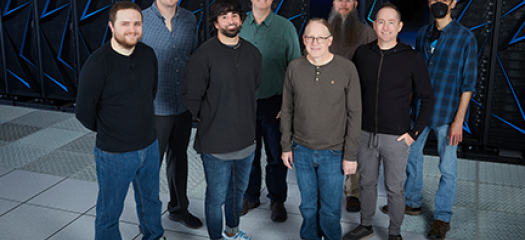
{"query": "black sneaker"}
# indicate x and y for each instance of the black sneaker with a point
(246, 206)
(408, 210)
(360, 232)
(395, 237)
(279, 213)
(353, 204)
(187, 220)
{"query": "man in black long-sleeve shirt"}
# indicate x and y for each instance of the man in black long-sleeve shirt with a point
(117, 86)
(220, 81)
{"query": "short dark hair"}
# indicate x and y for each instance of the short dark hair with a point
(389, 5)
(222, 7)
(322, 21)
(122, 5)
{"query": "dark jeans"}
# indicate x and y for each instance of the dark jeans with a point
(115, 171)
(174, 133)
(320, 181)
(268, 131)
(226, 181)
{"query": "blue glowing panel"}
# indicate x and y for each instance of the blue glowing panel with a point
(57, 49)
(21, 50)
(93, 30)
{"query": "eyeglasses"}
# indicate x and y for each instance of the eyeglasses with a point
(320, 40)
(345, 1)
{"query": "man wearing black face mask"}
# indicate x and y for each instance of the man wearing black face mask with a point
(449, 50)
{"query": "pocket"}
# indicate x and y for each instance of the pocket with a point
(337, 152)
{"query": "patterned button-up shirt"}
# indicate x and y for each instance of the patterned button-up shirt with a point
(452, 66)
(173, 49)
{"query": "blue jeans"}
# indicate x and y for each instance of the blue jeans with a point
(448, 166)
(320, 179)
(268, 131)
(115, 171)
(226, 182)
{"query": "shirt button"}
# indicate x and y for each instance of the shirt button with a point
(318, 73)
(317, 67)
(431, 63)
(177, 70)
(316, 79)
(176, 59)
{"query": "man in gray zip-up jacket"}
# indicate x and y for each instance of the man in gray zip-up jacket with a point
(389, 72)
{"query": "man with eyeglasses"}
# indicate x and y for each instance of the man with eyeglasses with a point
(320, 125)
(349, 33)
(389, 71)
(276, 38)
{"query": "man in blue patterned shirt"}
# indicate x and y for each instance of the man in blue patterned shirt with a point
(172, 32)
(450, 52)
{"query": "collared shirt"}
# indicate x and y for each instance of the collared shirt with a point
(277, 40)
(173, 49)
(452, 66)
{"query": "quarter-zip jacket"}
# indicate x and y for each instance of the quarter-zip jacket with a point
(388, 78)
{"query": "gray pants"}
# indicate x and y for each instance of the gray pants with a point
(373, 149)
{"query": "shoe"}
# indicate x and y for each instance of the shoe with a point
(279, 213)
(408, 210)
(353, 204)
(438, 230)
(246, 206)
(239, 236)
(360, 232)
(395, 237)
(187, 220)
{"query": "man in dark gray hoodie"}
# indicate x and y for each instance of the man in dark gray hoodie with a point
(389, 71)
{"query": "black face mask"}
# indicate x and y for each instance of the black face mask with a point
(439, 10)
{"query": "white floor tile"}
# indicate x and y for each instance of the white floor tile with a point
(71, 194)
(22, 185)
(32, 222)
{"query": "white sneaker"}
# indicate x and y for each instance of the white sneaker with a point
(239, 236)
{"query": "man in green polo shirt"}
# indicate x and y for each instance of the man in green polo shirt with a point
(277, 40)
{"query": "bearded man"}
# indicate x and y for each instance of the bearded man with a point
(348, 34)
(117, 85)
(220, 82)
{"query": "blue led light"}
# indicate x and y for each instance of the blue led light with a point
(57, 83)
(45, 13)
(21, 54)
(19, 78)
(87, 15)
(464, 10)
(511, 87)
(279, 7)
(7, 11)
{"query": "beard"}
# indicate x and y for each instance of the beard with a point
(230, 33)
(125, 43)
(345, 29)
